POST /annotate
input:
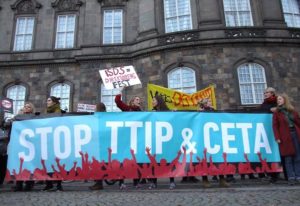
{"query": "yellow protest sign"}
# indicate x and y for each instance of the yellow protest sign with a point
(176, 100)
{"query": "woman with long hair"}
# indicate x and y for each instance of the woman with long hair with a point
(286, 127)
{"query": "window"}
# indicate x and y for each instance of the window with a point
(24, 33)
(63, 92)
(177, 15)
(252, 83)
(65, 31)
(17, 93)
(182, 79)
(108, 98)
(238, 13)
(291, 11)
(113, 26)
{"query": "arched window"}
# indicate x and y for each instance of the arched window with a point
(177, 15)
(291, 11)
(108, 98)
(62, 90)
(17, 93)
(252, 83)
(182, 79)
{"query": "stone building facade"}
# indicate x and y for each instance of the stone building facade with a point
(210, 48)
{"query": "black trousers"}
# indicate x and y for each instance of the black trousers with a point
(3, 164)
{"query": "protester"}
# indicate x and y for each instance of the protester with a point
(4, 138)
(159, 104)
(286, 127)
(205, 105)
(53, 106)
(100, 107)
(134, 105)
(26, 110)
(269, 105)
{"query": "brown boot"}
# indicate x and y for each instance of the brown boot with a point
(206, 183)
(223, 183)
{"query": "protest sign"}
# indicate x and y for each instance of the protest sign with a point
(177, 100)
(86, 107)
(117, 77)
(110, 145)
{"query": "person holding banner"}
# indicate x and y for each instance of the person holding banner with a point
(26, 110)
(100, 107)
(159, 104)
(286, 127)
(134, 105)
(53, 106)
(205, 105)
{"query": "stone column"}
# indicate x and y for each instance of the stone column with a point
(272, 13)
(146, 26)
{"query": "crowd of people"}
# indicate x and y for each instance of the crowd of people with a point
(286, 128)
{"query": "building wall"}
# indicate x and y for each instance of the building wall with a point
(213, 50)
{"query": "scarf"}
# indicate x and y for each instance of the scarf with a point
(54, 109)
(288, 115)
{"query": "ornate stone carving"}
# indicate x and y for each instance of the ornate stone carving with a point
(26, 6)
(295, 34)
(67, 5)
(239, 33)
(112, 2)
(180, 37)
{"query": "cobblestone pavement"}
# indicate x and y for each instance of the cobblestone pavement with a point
(242, 192)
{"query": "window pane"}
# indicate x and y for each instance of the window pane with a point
(182, 79)
(177, 15)
(112, 26)
(252, 83)
(17, 94)
(108, 98)
(237, 13)
(291, 11)
(24, 33)
(65, 33)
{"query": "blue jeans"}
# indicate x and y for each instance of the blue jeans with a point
(292, 163)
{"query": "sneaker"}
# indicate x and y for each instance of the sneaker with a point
(59, 188)
(96, 186)
(48, 188)
(215, 178)
(184, 179)
(193, 179)
(172, 186)
(137, 186)
(206, 184)
(291, 182)
(123, 186)
(223, 183)
(152, 186)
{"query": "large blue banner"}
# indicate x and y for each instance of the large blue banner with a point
(63, 142)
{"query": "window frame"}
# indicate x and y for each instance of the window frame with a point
(182, 88)
(291, 24)
(16, 30)
(60, 14)
(177, 16)
(237, 14)
(16, 107)
(255, 101)
(122, 26)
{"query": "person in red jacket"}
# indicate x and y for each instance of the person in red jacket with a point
(134, 105)
(286, 127)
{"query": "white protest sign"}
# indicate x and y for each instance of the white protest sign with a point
(119, 77)
(86, 107)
